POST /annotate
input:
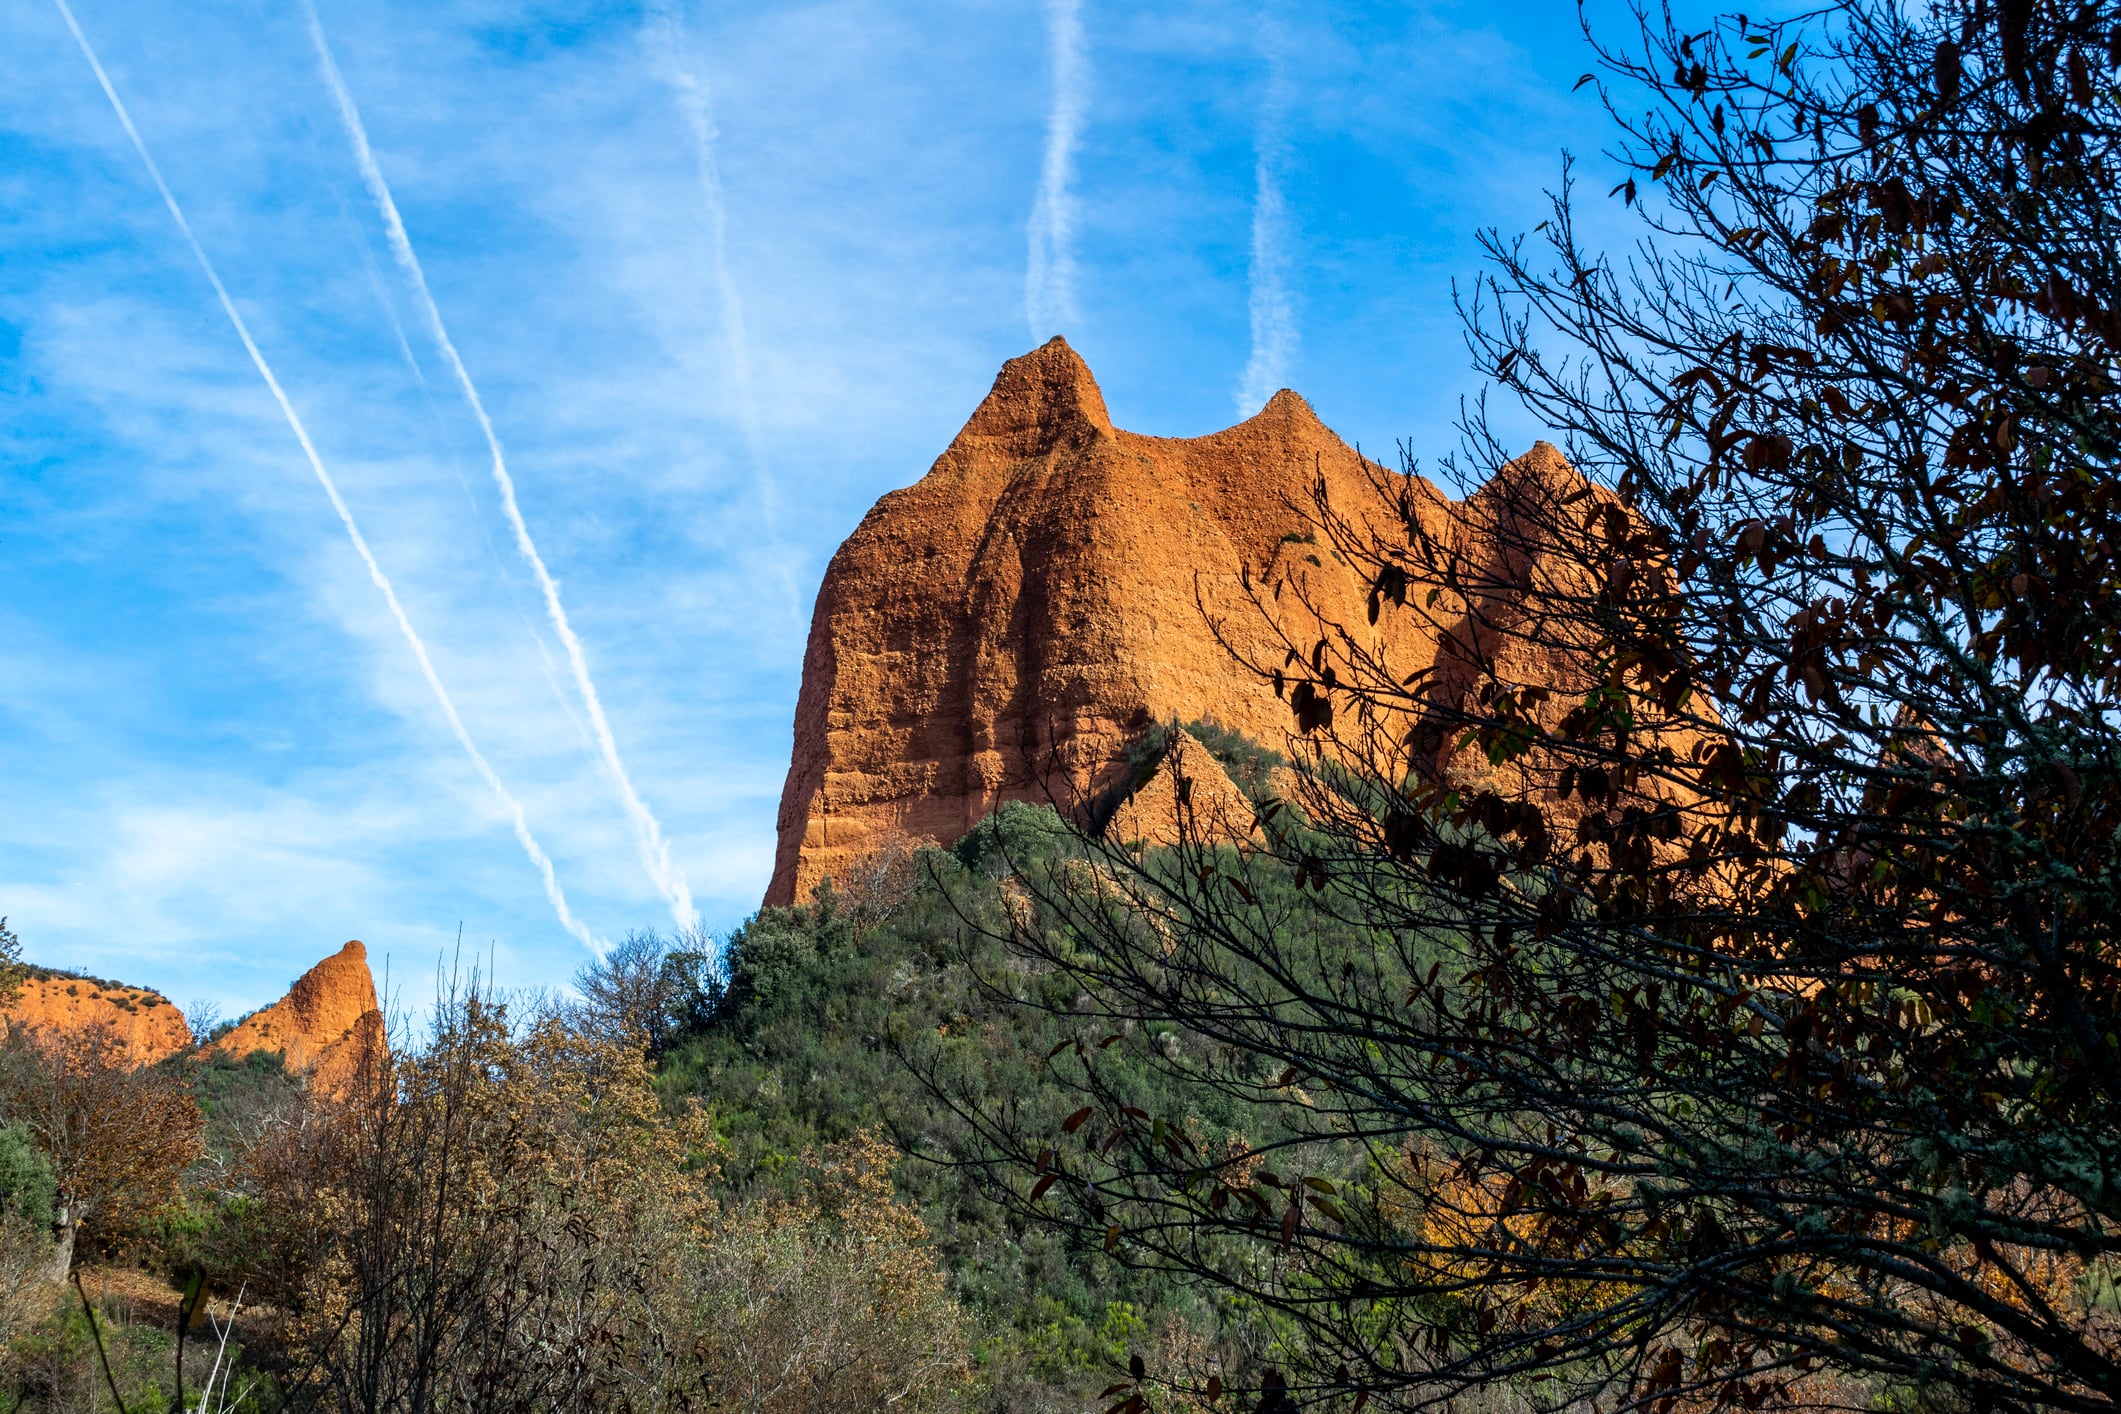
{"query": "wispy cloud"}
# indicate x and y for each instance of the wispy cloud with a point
(216, 742)
(1049, 272)
(541, 861)
(648, 833)
(1272, 303)
(167, 876)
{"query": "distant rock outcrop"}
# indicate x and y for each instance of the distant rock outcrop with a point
(1005, 627)
(141, 1021)
(321, 1026)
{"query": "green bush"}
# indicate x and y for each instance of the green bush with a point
(28, 1188)
(826, 1028)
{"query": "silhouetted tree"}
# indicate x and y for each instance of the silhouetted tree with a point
(651, 988)
(1711, 948)
(625, 993)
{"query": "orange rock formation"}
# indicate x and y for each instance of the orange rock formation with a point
(1189, 796)
(1002, 628)
(322, 1027)
(143, 1022)
(322, 1024)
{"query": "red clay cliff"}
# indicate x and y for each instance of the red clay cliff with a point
(142, 1022)
(1004, 627)
(319, 1027)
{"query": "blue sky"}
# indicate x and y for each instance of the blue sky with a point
(721, 274)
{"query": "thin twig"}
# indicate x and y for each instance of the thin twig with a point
(221, 1350)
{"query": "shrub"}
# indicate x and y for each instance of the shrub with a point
(830, 1301)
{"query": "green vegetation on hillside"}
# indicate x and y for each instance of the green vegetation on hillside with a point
(829, 1024)
(911, 1006)
(1695, 988)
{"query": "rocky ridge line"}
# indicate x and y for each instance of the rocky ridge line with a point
(321, 1028)
(1007, 626)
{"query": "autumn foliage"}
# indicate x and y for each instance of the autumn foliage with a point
(118, 1136)
(507, 1216)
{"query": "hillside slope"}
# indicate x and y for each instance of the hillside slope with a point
(319, 1028)
(142, 1021)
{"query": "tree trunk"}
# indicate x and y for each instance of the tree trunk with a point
(64, 1227)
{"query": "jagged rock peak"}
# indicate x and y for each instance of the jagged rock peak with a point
(1291, 406)
(324, 1024)
(1043, 400)
(1006, 626)
(329, 1007)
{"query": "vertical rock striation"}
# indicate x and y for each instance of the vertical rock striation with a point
(1001, 629)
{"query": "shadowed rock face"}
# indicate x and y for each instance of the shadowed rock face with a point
(1001, 629)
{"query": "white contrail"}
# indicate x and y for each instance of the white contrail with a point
(1049, 272)
(648, 834)
(456, 469)
(695, 102)
(1273, 306)
(538, 857)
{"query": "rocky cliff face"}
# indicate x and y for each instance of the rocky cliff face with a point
(141, 1021)
(1003, 628)
(1188, 796)
(322, 1023)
